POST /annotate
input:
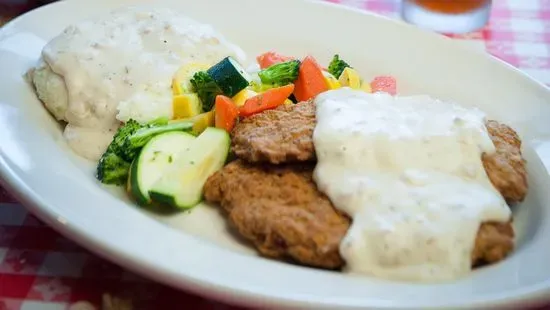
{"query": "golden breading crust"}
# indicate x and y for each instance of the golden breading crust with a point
(285, 135)
(277, 136)
(279, 209)
(494, 242)
(506, 168)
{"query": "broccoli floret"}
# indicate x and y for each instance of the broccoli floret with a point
(113, 165)
(161, 121)
(135, 142)
(117, 145)
(280, 74)
(127, 143)
(260, 87)
(206, 88)
(112, 169)
(337, 66)
(257, 85)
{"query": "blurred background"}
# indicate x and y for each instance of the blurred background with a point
(12, 8)
(446, 16)
(436, 15)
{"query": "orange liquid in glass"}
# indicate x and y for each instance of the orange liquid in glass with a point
(451, 6)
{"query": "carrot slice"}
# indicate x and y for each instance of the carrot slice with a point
(310, 81)
(269, 59)
(226, 113)
(386, 84)
(269, 99)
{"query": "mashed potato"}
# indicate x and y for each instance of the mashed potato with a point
(104, 71)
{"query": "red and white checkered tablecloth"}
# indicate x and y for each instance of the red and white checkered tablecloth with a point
(39, 269)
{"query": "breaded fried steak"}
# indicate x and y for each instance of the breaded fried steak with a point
(506, 167)
(280, 210)
(285, 135)
(277, 136)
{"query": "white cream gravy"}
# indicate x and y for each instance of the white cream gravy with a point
(121, 65)
(408, 170)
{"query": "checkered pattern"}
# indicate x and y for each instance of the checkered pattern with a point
(518, 31)
(39, 269)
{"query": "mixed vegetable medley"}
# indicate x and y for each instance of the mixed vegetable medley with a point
(168, 161)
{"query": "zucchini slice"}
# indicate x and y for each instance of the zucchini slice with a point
(181, 186)
(156, 157)
(230, 76)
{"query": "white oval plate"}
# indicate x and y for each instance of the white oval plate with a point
(195, 251)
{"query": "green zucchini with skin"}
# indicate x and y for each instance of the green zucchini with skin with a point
(182, 185)
(156, 157)
(230, 76)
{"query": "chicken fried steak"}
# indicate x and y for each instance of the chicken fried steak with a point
(280, 210)
(277, 136)
(285, 135)
(506, 167)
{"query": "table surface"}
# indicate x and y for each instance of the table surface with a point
(39, 269)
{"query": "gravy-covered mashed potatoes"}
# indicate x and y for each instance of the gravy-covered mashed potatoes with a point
(104, 71)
